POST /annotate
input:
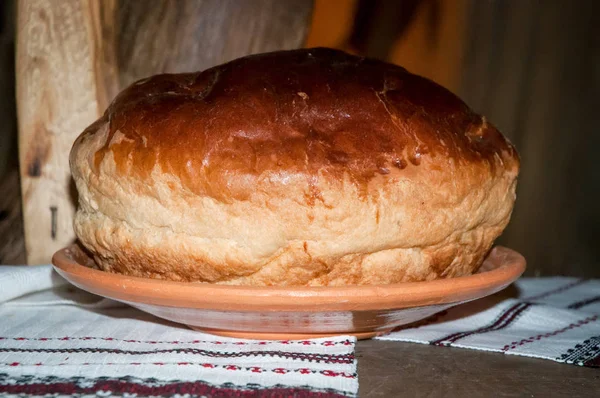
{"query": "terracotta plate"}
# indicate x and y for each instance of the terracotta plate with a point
(291, 312)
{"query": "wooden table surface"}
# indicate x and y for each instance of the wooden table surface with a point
(395, 369)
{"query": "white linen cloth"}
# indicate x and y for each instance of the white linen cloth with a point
(551, 318)
(57, 339)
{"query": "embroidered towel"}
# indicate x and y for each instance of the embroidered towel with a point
(550, 318)
(56, 339)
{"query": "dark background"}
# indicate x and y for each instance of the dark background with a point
(532, 67)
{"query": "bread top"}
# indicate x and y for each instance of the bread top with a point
(293, 116)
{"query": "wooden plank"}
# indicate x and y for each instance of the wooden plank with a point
(8, 124)
(73, 56)
(385, 372)
(192, 35)
(12, 245)
(56, 100)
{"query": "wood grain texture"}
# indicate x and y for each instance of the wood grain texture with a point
(533, 70)
(74, 56)
(56, 100)
(104, 39)
(396, 369)
(8, 120)
(193, 35)
(12, 245)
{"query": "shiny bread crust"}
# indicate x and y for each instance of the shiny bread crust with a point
(304, 167)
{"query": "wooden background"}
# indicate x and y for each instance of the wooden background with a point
(532, 67)
(74, 56)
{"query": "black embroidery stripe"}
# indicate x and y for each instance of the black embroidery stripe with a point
(580, 304)
(586, 353)
(503, 320)
(319, 358)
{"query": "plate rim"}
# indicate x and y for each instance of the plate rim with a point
(507, 266)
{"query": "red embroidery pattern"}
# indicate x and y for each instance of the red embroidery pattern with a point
(301, 356)
(254, 369)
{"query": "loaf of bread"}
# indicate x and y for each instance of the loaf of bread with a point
(306, 167)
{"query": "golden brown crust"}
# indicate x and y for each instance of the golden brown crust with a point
(299, 167)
